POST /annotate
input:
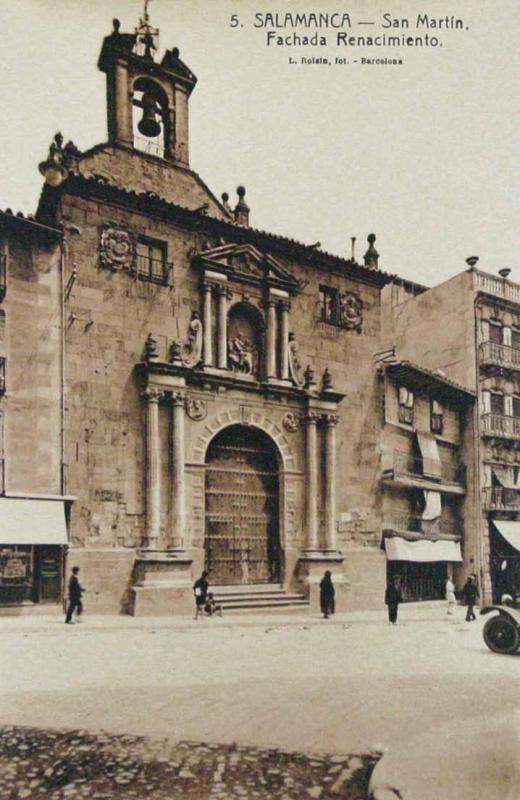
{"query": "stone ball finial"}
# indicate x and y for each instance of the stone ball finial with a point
(225, 197)
(116, 25)
(175, 52)
(241, 192)
(371, 238)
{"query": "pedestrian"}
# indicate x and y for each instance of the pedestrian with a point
(470, 594)
(211, 606)
(75, 590)
(393, 597)
(327, 593)
(200, 591)
(450, 595)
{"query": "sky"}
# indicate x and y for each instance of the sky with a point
(424, 154)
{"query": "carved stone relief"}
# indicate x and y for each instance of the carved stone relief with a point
(350, 311)
(196, 408)
(117, 249)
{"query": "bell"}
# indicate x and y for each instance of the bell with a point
(149, 126)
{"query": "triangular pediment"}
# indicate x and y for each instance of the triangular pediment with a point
(244, 261)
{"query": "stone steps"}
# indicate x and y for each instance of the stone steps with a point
(258, 597)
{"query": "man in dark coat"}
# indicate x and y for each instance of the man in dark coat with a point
(75, 592)
(393, 597)
(470, 596)
(327, 593)
(200, 590)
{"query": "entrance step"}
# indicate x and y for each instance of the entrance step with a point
(256, 597)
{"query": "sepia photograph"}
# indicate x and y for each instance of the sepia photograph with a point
(259, 400)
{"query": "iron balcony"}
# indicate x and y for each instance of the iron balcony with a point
(501, 355)
(402, 469)
(402, 521)
(501, 426)
(498, 498)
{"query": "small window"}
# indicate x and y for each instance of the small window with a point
(406, 401)
(495, 334)
(497, 403)
(515, 339)
(436, 417)
(328, 303)
(2, 375)
(151, 261)
(516, 407)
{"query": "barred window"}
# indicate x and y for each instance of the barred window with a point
(151, 261)
(436, 417)
(328, 303)
(406, 401)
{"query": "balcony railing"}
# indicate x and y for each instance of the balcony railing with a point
(403, 464)
(497, 286)
(501, 354)
(155, 270)
(413, 523)
(501, 425)
(498, 498)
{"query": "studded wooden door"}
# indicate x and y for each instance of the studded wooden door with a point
(242, 512)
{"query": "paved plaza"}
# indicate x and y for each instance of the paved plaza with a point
(350, 686)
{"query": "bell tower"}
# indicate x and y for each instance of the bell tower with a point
(147, 101)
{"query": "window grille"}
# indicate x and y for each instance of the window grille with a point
(151, 261)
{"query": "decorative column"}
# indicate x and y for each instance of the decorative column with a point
(331, 420)
(178, 471)
(222, 295)
(284, 339)
(123, 108)
(311, 503)
(207, 326)
(153, 468)
(271, 339)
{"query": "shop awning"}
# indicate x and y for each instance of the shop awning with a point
(432, 508)
(398, 549)
(504, 476)
(510, 530)
(30, 521)
(432, 466)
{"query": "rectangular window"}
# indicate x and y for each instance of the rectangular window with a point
(2, 375)
(436, 417)
(516, 406)
(515, 339)
(497, 403)
(151, 261)
(495, 334)
(406, 401)
(328, 303)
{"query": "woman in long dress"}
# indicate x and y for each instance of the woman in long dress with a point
(327, 595)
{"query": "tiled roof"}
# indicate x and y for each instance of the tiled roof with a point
(421, 377)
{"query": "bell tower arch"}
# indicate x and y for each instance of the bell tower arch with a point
(136, 82)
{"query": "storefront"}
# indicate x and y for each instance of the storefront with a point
(421, 565)
(33, 540)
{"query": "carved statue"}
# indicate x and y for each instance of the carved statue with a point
(241, 353)
(350, 311)
(193, 348)
(295, 365)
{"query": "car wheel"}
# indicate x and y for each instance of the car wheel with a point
(501, 635)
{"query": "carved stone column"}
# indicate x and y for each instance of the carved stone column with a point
(331, 420)
(178, 499)
(153, 468)
(222, 294)
(207, 326)
(311, 488)
(270, 365)
(284, 339)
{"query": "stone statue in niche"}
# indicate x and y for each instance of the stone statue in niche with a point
(241, 353)
(116, 248)
(295, 364)
(350, 308)
(192, 351)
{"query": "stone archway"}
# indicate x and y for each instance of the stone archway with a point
(242, 517)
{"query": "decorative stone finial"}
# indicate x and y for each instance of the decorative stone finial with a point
(371, 256)
(52, 168)
(150, 348)
(309, 377)
(116, 25)
(241, 208)
(225, 201)
(326, 380)
(175, 352)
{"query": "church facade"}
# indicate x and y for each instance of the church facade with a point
(210, 399)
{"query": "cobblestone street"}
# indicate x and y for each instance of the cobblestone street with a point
(76, 765)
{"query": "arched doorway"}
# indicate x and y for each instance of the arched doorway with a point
(242, 537)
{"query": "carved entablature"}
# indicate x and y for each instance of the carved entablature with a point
(117, 248)
(245, 264)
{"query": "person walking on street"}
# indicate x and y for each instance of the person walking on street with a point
(327, 593)
(450, 596)
(393, 597)
(470, 594)
(200, 590)
(74, 596)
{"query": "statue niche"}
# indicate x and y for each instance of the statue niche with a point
(245, 328)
